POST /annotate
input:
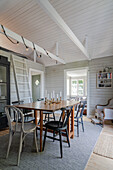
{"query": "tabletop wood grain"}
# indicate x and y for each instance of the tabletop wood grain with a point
(40, 105)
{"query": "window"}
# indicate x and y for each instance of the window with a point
(74, 87)
(67, 87)
(77, 87)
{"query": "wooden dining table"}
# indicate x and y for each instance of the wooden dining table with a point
(41, 106)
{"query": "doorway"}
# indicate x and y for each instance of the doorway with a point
(36, 87)
(36, 84)
(76, 85)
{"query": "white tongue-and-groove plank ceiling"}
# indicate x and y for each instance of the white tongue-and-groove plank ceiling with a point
(91, 18)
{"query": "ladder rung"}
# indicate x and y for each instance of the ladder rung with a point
(22, 75)
(26, 98)
(23, 82)
(20, 61)
(24, 90)
(20, 68)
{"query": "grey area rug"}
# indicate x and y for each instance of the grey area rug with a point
(74, 158)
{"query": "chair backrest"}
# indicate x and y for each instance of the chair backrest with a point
(18, 102)
(110, 102)
(77, 108)
(8, 110)
(83, 106)
(64, 118)
(41, 99)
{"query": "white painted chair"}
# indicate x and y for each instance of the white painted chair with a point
(17, 127)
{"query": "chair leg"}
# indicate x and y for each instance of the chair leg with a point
(44, 139)
(60, 144)
(45, 118)
(23, 139)
(77, 128)
(82, 124)
(48, 117)
(35, 137)
(9, 144)
(20, 148)
(67, 137)
(53, 135)
(53, 115)
(37, 132)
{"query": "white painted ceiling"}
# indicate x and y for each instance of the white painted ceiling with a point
(77, 73)
(91, 18)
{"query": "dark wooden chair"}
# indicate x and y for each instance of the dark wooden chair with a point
(59, 127)
(79, 116)
(47, 114)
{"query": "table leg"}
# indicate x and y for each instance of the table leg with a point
(68, 127)
(72, 122)
(41, 129)
(63, 115)
(35, 114)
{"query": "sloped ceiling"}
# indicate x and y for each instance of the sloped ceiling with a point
(91, 18)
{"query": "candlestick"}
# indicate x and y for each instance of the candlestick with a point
(57, 97)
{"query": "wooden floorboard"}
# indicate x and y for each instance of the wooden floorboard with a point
(101, 162)
(97, 162)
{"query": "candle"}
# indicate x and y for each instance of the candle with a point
(60, 94)
(51, 96)
(48, 96)
(46, 93)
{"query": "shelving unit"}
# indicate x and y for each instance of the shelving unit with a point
(4, 89)
(104, 80)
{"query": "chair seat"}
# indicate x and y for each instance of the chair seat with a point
(45, 112)
(28, 127)
(54, 125)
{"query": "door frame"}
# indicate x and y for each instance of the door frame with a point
(41, 73)
(88, 90)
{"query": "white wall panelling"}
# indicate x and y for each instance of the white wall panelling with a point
(55, 76)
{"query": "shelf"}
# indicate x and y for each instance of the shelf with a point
(3, 99)
(104, 79)
(104, 87)
(105, 83)
(3, 83)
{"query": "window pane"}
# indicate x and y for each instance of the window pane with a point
(80, 92)
(80, 81)
(74, 87)
(80, 87)
(67, 87)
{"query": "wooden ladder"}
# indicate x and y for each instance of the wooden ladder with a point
(21, 79)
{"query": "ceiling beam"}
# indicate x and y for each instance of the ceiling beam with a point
(17, 37)
(48, 8)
